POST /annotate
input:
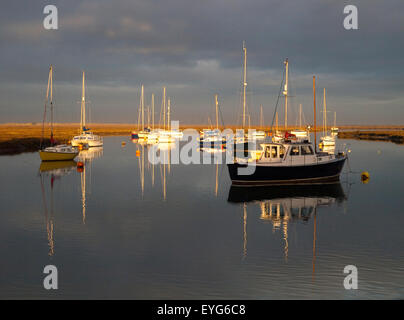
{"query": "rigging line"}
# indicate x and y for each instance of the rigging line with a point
(277, 101)
(221, 116)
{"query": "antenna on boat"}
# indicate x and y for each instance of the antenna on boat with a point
(314, 105)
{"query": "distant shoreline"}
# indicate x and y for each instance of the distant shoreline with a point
(16, 138)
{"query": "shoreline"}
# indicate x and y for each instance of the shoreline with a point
(16, 138)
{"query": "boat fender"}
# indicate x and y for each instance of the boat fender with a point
(365, 177)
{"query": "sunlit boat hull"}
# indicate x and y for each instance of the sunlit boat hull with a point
(273, 175)
(90, 143)
(57, 156)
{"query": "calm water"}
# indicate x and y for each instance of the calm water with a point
(114, 234)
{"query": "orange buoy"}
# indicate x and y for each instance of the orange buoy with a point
(137, 153)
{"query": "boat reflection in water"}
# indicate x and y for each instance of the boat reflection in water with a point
(282, 205)
(86, 158)
(50, 172)
(154, 166)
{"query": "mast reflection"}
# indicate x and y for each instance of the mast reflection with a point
(51, 171)
(86, 157)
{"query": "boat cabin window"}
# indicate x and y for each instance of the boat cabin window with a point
(306, 150)
(281, 151)
(267, 152)
(274, 152)
(294, 151)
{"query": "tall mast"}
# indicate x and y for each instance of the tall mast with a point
(164, 107)
(142, 105)
(168, 113)
(46, 101)
(325, 116)
(285, 92)
(300, 116)
(152, 103)
(244, 82)
(261, 117)
(335, 119)
(51, 100)
(83, 103)
(314, 105)
(217, 112)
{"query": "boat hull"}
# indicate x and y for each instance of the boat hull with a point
(90, 143)
(57, 156)
(278, 175)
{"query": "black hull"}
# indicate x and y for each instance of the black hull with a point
(278, 175)
(239, 194)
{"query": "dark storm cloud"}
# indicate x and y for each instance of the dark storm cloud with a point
(194, 48)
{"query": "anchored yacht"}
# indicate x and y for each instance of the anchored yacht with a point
(289, 161)
(86, 137)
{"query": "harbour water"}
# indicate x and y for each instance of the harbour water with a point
(123, 228)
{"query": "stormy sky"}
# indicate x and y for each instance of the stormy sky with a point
(194, 48)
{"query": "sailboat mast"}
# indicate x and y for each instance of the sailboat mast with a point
(51, 101)
(83, 103)
(142, 104)
(164, 108)
(285, 92)
(261, 117)
(314, 105)
(46, 101)
(335, 119)
(300, 116)
(217, 112)
(325, 116)
(152, 103)
(168, 113)
(244, 82)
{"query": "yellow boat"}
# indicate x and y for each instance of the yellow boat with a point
(60, 152)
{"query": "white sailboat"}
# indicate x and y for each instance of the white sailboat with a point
(280, 136)
(86, 137)
(60, 152)
(326, 140)
(260, 134)
(211, 137)
(300, 133)
(334, 129)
